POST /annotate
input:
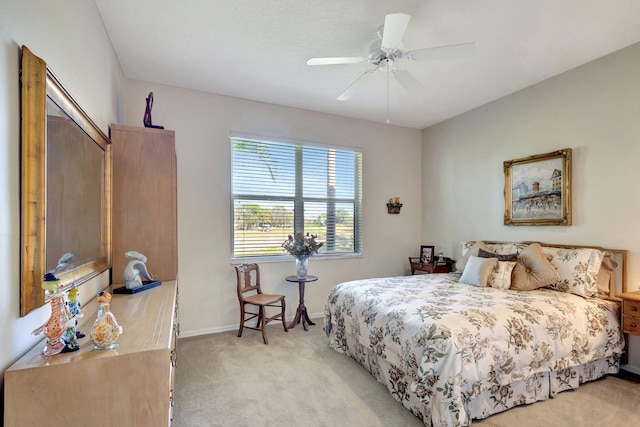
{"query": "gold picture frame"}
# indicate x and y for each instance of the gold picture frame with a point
(537, 189)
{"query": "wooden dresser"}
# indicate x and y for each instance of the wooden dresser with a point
(128, 386)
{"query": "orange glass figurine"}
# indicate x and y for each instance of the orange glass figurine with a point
(56, 325)
(105, 330)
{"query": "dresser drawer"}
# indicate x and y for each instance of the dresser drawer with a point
(631, 308)
(631, 325)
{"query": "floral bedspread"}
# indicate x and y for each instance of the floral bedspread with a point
(457, 341)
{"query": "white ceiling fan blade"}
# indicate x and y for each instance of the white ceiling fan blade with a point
(395, 25)
(349, 91)
(454, 51)
(337, 60)
(407, 81)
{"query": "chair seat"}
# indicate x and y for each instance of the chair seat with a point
(261, 299)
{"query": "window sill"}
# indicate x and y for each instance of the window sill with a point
(289, 258)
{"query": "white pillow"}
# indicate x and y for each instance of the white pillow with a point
(477, 270)
(500, 278)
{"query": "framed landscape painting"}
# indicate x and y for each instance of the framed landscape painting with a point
(537, 189)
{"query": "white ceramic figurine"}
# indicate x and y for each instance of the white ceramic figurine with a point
(135, 269)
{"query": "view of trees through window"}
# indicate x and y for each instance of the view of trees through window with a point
(283, 188)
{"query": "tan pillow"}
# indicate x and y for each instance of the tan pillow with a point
(477, 271)
(533, 270)
(473, 251)
(604, 274)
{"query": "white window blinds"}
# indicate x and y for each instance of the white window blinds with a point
(281, 188)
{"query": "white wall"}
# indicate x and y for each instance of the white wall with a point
(595, 110)
(392, 168)
(69, 36)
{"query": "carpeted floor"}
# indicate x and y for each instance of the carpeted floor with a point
(297, 380)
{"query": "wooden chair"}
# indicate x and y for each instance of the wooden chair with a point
(250, 294)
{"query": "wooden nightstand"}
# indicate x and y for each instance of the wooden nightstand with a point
(429, 267)
(631, 312)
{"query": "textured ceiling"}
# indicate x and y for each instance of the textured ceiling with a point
(257, 49)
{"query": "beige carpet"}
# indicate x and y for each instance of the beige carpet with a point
(297, 380)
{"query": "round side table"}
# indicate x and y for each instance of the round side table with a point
(301, 311)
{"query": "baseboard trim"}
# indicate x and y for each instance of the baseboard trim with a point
(630, 368)
(629, 373)
(219, 329)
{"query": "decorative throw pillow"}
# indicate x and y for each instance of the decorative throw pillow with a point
(604, 275)
(500, 278)
(477, 270)
(508, 257)
(473, 251)
(533, 270)
(578, 269)
(505, 248)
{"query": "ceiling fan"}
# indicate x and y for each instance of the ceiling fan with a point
(387, 51)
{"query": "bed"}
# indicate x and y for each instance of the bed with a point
(461, 346)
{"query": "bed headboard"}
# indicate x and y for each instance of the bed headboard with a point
(617, 281)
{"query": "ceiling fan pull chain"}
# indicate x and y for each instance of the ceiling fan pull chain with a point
(388, 72)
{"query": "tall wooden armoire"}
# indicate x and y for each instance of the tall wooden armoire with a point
(144, 200)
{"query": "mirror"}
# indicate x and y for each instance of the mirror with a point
(66, 204)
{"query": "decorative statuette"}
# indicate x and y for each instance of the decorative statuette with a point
(135, 269)
(71, 334)
(55, 327)
(105, 330)
(146, 120)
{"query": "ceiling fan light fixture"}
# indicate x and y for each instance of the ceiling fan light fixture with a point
(377, 54)
(386, 65)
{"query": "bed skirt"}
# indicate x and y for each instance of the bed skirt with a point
(496, 399)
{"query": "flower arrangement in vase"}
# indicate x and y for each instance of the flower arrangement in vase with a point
(302, 246)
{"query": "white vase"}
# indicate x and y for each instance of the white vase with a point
(302, 265)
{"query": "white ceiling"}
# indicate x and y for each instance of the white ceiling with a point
(257, 49)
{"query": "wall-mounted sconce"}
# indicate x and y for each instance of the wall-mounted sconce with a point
(394, 205)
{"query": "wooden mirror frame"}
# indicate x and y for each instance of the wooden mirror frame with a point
(38, 84)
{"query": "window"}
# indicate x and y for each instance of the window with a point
(281, 188)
